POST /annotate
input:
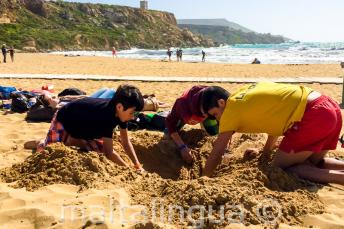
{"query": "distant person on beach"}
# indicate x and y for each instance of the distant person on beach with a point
(89, 123)
(114, 52)
(187, 110)
(309, 122)
(203, 56)
(11, 51)
(255, 61)
(180, 54)
(169, 54)
(4, 52)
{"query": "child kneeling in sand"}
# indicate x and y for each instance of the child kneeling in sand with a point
(310, 123)
(89, 123)
(187, 110)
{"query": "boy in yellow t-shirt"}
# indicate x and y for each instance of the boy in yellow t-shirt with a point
(310, 123)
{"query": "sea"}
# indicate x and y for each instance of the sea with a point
(285, 53)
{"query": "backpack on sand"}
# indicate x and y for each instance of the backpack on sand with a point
(41, 111)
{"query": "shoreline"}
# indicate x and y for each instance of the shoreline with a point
(42, 63)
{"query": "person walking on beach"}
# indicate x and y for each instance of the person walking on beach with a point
(4, 52)
(169, 54)
(114, 52)
(203, 56)
(180, 54)
(177, 54)
(11, 51)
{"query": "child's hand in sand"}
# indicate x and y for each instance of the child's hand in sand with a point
(186, 155)
(251, 152)
(139, 168)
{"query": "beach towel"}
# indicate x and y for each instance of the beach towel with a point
(5, 92)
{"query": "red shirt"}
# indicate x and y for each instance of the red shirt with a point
(187, 109)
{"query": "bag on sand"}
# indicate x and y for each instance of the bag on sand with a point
(20, 104)
(148, 121)
(138, 123)
(41, 111)
(71, 91)
(157, 122)
(22, 101)
(40, 114)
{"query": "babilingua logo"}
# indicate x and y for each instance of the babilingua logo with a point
(268, 211)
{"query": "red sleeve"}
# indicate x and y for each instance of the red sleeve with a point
(173, 117)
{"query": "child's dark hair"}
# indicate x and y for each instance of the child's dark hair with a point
(129, 96)
(211, 95)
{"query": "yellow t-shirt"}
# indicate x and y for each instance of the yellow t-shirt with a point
(270, 108)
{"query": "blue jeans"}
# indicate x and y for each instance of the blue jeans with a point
(104, 93)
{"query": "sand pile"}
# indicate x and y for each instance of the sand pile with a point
(243, 189)
(61, 164)
(242, 186)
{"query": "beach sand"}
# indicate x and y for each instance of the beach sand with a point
(109, 187)
(58, 64)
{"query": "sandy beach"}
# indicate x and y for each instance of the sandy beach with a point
(58, 64)
(36, 200)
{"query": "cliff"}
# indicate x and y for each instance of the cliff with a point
(55, 25)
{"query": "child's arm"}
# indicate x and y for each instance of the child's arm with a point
(111, 154)
(183, 149)
(171, 123)
(128, 148)
(270, 143)
(216, 154)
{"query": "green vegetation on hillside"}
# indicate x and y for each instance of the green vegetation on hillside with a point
(36, 24)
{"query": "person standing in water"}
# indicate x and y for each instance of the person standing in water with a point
(178, 55)
(114, 52)
(4, 52)
(203, 56)
(11, 51)
(169, 54)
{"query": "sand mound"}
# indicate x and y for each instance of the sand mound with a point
(243, 189)
(61, 164)
(247, 189)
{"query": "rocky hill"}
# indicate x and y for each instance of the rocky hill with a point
(222, 31)
(214, 22)
(56, 25)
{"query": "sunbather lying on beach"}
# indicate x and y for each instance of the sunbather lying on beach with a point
(150, 101)
(310, 123)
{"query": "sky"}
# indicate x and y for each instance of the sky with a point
(303, 20)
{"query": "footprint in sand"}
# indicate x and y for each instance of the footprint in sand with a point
(12, 136)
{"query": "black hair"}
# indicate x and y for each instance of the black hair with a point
(129, 96)
(211, 95)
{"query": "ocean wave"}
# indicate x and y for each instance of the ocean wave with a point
(285, 53)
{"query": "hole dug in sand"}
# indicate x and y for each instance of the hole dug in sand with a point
(246, 190)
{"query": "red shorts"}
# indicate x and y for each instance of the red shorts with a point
(318, 130)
